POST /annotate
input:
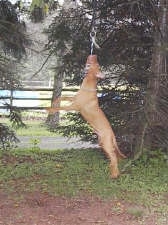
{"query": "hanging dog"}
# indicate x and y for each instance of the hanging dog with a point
(86, 102)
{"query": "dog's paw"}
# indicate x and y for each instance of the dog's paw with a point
(114, 171)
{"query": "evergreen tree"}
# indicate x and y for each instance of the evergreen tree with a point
(126, 36)
(12, 48)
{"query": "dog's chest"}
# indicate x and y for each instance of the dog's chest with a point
(86, 100)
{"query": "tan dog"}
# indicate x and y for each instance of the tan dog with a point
(86, 102)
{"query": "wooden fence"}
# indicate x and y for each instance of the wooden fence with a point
(11, 97)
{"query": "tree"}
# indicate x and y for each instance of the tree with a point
(12, 40)
(126, 34)
(53, 119)
(10, 24)
(156, 104)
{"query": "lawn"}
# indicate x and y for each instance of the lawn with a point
(33, 127)
(75, 173)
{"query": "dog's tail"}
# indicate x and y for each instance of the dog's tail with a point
(119, 154)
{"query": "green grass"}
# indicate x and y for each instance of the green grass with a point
(75, 172)
(34, 128)
(135, 212)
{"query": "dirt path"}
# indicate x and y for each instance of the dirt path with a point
(42, 209)
(51, 143)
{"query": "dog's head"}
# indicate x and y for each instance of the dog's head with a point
(93, 68)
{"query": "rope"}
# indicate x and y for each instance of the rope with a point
(93, 32)
(94, 6)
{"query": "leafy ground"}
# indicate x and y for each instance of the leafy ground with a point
(73, 187)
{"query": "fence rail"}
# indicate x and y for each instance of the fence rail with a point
(12, 98)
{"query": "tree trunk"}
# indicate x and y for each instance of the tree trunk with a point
(156, 104)
(53, 119)
(154, 126)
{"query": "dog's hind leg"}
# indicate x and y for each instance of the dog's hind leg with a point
(107, 145)
(119, 154)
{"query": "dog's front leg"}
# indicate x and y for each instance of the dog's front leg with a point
(57, 101)
(52, 110)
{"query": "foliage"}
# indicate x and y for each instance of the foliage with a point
(120, 32)
(16, 117)
(8, 78)
(35, 148)
(82, 129)
(13, 42)
(13, 38)
(7, 137)
(126, 34)
(12, 48)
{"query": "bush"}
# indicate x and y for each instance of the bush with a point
(8, 138)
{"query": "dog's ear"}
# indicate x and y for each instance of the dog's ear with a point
(86, 69)
(100, 75)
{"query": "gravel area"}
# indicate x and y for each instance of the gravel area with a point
(52, 143)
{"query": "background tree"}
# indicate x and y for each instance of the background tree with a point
(156, 104)
(10, 24)
(12, 47)
(52, 120)
(126, 33)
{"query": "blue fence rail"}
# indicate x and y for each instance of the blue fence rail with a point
(27, 98)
